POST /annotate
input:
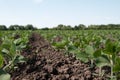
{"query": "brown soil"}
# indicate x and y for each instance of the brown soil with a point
(45, 63)
(57, 39)
(16, 36)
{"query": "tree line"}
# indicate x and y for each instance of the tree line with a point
(63, 27)
(18, 27)
(84, 27)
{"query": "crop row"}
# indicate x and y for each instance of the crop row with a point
(101, 48)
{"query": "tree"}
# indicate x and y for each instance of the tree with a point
(68, 27)
(76, 27)
(63, 27)
(21, 27)
(29, 27)
(14, 27)
(81, 26)
(60, 27)
(46, 28)
(3, 27)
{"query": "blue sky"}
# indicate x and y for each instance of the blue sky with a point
(50, 13)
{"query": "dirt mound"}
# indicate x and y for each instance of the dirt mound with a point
(45, 63)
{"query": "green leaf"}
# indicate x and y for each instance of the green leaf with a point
(6, 45)
(4, 75)
(97, 53)
(110, 47)
(13, 50)
(60, 45)
(118, 49)
(5, 51)
(17, 41)
(20, 47)
(1, 60)
(19, 59)
(102, 61)
(89, 50)
(76, 44)
(71, 48)
(81, 56)
(116, 67)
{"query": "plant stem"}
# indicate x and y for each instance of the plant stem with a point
(100, 71)
(91, 63)
(7, 65)
(111, 68)
(11, 62)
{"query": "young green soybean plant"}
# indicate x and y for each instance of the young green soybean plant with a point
(102, 50)
(108, 56)
(10, 49)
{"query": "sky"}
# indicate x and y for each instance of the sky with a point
(50, 13)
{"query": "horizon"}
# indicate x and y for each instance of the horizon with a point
(56, 25)
(50, 13)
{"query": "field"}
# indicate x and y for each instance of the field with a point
(60, 55)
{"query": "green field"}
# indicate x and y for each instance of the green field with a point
(100, 47)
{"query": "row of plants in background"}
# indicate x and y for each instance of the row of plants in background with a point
(11, 46)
